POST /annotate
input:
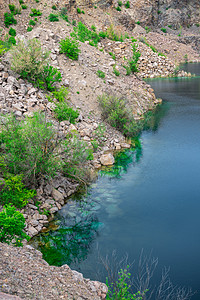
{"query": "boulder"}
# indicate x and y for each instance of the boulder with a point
(107, 159)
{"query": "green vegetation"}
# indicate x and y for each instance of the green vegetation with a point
(63, 112)
(70, 48)
(9, 19)
(82, 33)
(53, 18)
(118, 8)
(54, 7)
(79, 11)
(147, 29)
(138, 22)
(112, 55)
(35, 12)
(133, 62)
(118, 114)
(100, 74)
(12, 40)
(32, 23)
(115, 71)
(127, 4)
(15, 193)
(30, 61)
(164, 30)
(121, 288)
(29, 28)
(12, 225)
(12, 32)
(27, 147)
(119, 3)
(24, 6)
(112, 35)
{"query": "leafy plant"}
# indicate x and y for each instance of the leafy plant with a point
(102, 34)
(112, 55)
(47, 78)
(147, 29)
(112, 35)
(12, 225)
(82, 33)
(93, 28)
(54, 7)
(12, 31)
(61, 94)
(121, 288)
(79, 11)
(63, 11)
(70, 48)
(29, 28)
(12, 40)
(120, 3)
(9, 19)
(115, 71)
(164, 30)
(118, 8)
(35, 12)
(100, 74)
(53, 18)
(15, 193)
(127, 4)
(32, 22)
(138, 22)
(24, 6)
(64, 112)
(11, 7)
(27, 147)
(133, 62)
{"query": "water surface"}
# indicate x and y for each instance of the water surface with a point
(150, 200)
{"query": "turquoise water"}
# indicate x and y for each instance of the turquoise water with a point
(150, 200)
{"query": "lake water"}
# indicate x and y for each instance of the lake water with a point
(150, 200)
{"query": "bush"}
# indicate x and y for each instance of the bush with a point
(63, 11)
(78, 10)
(82, 33)
(54, 7)
(24, 6)
(70, 48)
(120, 3)
(27, 147)
(32, 22)
(112, 35)
(112, 55)
(11, 7)
(102, 34)
(15, 193)
(12, 40)
(133, 63)
(164, 30)
(30, 61)
(115, 71)
(35, 12)
(29, 29)
(12, 225)
(118, 114)
(61, 94)
(127, 4)
(100, 74)
(9, 19)
(65, 113)
(53, 18)
(12, 32)
(118, 8)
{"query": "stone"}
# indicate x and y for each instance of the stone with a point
(32, 231)
(107, 159)
(125, 145)
(57, 195)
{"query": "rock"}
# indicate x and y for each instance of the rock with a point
(125, 145)
(32, 231)
(77, 276)
(107, 159)
(57, 195)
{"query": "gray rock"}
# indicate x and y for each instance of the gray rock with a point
(57, 195)
(107, 159)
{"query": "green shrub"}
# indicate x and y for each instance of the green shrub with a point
(21, 2)
(9, 19)
(119, 3)
(121, 288)
(118, 114)
(78, 10)
(24, 6)
(28, 147)
(30, 61)
(70, 48)
(12, 225)
(147, 29)
(82, 33)
(77, 153)
(138, 22)
(32, 23)
(74, 22)
(53, 18)
(5, 45)
(164, 30)
(115, 71)
(12, 32)
(61, 94)
(112, 35)
(12, 7)
(118, 8)
(65, 18)
(102, 34)
(63, 11)
(54, 7)
(93, 28)
(47, 78)
(12, 40)
(127, 4)
(29, 28)
(112, 55)
(35, 12)
(17, 11)
(63, 112)
(133, 62)
(100, 74)
(15, 193)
